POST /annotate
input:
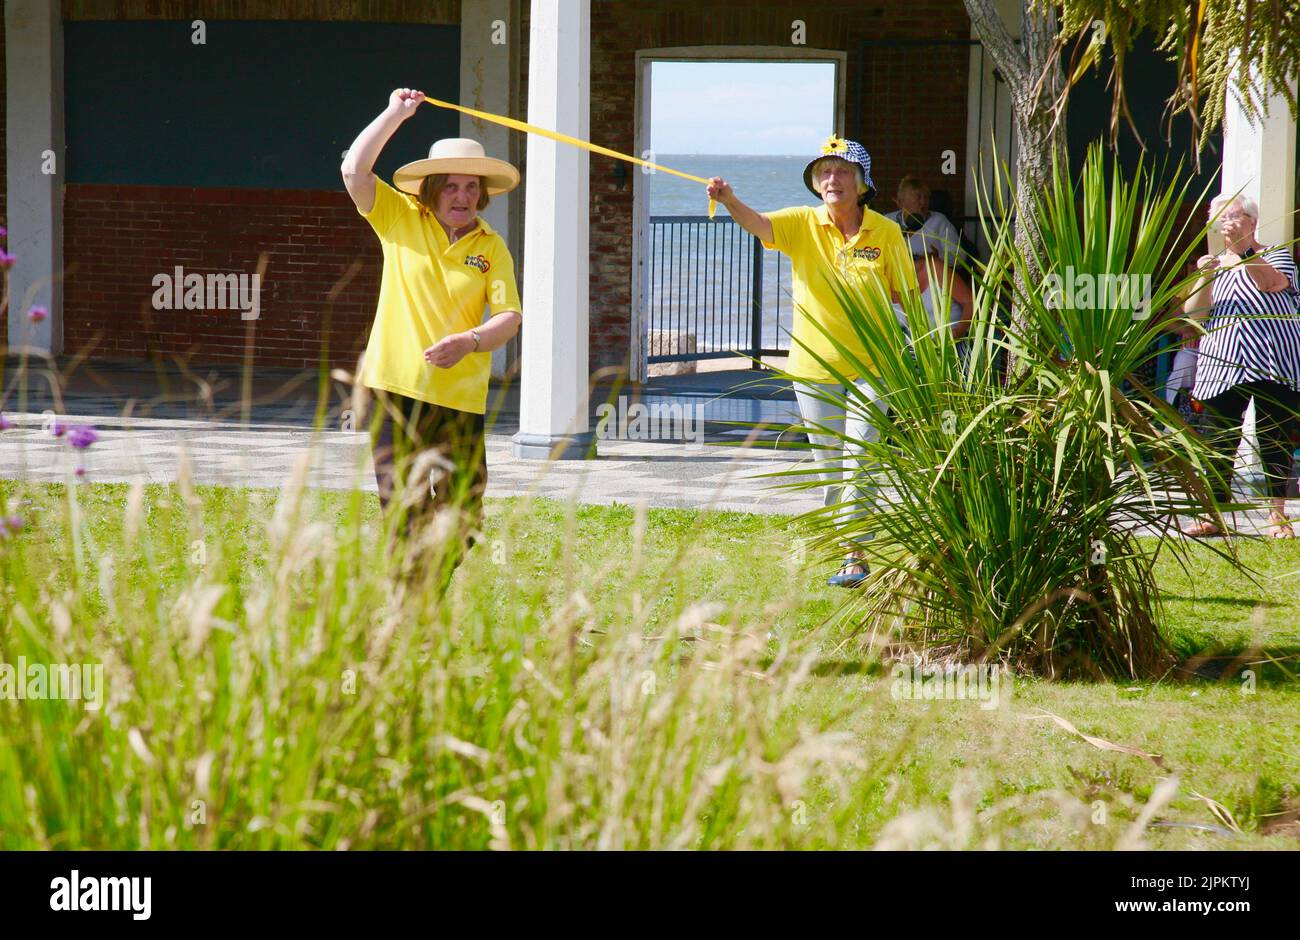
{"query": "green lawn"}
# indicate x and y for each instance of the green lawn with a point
(592, 679)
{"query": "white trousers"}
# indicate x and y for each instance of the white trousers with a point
(844, 473)
(1182, 374)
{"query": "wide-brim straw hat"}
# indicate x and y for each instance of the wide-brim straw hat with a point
(458, 155)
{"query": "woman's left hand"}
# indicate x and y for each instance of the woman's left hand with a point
(449, 350)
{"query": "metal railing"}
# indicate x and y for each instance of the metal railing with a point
(713, 286)
(711, 280)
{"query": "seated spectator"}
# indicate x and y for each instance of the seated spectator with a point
(926, 231)
(962, 301)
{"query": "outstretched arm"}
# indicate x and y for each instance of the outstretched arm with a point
(755, 223)
(359, 163)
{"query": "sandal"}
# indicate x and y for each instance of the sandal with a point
(1279, 526)
(846, 578)
(1202, 530)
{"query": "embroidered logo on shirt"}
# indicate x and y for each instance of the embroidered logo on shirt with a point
(479, 261)
(859, 254)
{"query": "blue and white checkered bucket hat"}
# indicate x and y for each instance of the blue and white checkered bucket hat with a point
(850, 150)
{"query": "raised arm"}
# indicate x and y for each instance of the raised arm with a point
(359, 163)
(1201, 301)
(755, 223)
(1266, 277)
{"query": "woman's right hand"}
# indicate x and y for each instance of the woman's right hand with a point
(719, 190)
(405, 101)
(1207, 262)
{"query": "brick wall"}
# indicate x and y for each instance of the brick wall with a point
(907, 84)
(118, 238)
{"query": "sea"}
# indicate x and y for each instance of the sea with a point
(761, 182)
(701, 272)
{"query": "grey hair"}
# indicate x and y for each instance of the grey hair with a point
(1222, 201)
(857, 170)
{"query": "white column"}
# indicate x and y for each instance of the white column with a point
(990, 127)
(1259, 158)
(487, 37)
(35, 166)
(553, 405)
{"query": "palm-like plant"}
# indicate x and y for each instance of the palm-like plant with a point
(1007, 522)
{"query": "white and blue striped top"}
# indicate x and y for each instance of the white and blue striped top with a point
(1250, 334)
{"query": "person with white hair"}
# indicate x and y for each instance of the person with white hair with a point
(843, 236)
(1247, 298)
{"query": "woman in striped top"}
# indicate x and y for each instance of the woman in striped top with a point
(1247, 298)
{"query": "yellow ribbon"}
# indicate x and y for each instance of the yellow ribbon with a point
(566, 139)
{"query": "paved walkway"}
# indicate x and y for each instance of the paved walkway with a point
(147, 414)
(146, 418)
(672, 475)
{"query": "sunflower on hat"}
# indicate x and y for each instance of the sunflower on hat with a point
(835, 145)
(849, 150)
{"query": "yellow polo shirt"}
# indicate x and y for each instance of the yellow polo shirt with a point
(430, 289)
(818, 250)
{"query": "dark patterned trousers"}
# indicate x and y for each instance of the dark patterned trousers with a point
(445, 447)
(1276, 410)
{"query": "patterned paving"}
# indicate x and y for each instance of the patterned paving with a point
(680, 475)
(198, 409)
(198, 412)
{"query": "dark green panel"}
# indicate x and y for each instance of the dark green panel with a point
(262, 104)
(1149, 81)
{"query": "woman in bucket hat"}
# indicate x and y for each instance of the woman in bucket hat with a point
(842, 236)
(428, 356)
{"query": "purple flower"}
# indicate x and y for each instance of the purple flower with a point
(10, 525)
(58, 429)
(7, 260)
(82, 436)
(3, 231)
(5, 423)
(38, 313)
(80, 472)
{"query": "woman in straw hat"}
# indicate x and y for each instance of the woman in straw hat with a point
(428, 357)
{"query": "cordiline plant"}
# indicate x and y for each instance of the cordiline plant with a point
(1001, 514)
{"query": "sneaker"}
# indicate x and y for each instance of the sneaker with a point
(849, 579)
